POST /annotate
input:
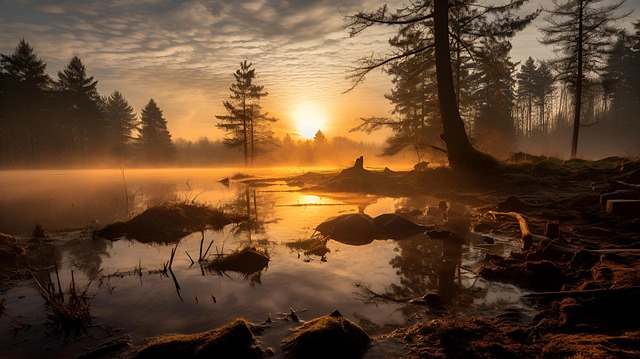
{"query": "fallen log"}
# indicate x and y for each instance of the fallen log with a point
(558, 244)
(527, 237)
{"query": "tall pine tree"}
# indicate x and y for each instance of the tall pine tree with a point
(121, 121)
(82, 109)
(581, 32)
(245, 125)
(154, 142)
(25, 124)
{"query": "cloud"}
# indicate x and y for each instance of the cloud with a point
(51, 9)
(183, 53)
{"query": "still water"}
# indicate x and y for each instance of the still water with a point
(71, 204)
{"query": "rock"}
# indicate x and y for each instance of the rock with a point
(351, 228)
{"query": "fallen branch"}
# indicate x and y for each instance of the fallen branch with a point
(527, 237)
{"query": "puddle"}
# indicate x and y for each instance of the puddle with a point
(352, 279)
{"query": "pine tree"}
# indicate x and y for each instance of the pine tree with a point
(81, 105)
(622, 85)
(154, 142)
(493, 124)
(581, 31)
(481, 21)
(24, 106)
(245, 125)
(121, 121)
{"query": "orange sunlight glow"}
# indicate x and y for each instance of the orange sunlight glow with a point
(308, 119)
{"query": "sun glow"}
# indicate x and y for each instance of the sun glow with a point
(308, 120)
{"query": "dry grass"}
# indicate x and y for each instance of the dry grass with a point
(70, 312)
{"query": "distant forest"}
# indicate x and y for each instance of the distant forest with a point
(66, 123)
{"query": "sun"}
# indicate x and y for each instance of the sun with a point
(308, 120)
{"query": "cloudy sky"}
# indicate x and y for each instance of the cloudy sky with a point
(183, 53)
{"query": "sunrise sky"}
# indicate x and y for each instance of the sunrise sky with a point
(183, 53)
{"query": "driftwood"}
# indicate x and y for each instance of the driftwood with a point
(584, 293)
(558, 244)
(527, 237)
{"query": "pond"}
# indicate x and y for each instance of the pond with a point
(131, 297)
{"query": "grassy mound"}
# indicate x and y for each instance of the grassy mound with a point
(234, 340)
(247, 261)
(11, 255)
(329, 336)
(168, 222)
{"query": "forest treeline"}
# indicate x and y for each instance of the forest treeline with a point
(64, 122)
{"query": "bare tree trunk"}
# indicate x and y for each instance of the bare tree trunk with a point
(459, 150)
(578, 97)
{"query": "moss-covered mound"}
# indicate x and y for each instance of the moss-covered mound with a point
(329, 336)
(247, 261)
(11, 255)
(234, 340)
(168, 222)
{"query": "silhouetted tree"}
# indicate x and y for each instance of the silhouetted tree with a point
(416, 121)
(81, 109)
(581, 31)
(121, 121)
(245, 126)
(319, 138)
(24, 88)
(493, 22)
(622, 82)
(493, 99)
(535, 85)
(154, 142)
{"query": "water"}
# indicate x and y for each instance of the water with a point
(69, 204)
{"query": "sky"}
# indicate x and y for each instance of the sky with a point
(183, 55)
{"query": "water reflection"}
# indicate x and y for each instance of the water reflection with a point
(130, 279)
(258, 210)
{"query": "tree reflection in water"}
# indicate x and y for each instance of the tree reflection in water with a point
(426, 265)
(258, 210)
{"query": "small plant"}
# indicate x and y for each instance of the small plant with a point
(70, 312)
